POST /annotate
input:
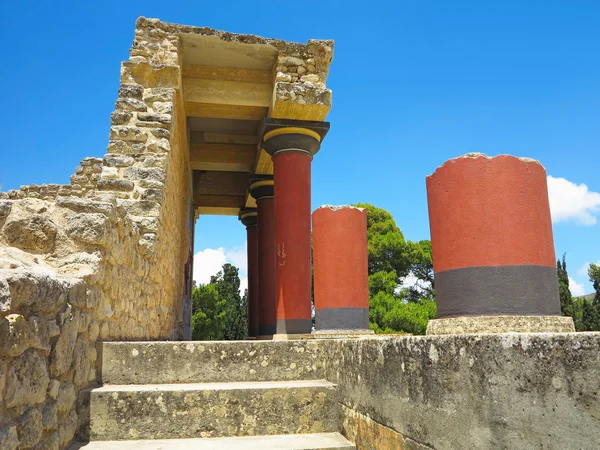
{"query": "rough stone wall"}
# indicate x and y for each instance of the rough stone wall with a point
(101, 258)
(507, 391)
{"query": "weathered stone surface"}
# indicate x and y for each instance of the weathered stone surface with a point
(125, 147)
(368, 434)
(14, 335)
(113, 160)
(120, 117)
(9, 439)
(109, 184)
(517, 390)
(68, 428)
(196, 410)
(128, 133)
(66, 397)
(39, 333)
(30, 428)
(131, 91)
(30, 288)
(50, 417)
(35, 234)
(90, 228)
(185, 362)
(81, 361)
(146, 224)
(3, 374)
(159, 95)
(62, 353)
(145, 173)
(141, 207)
(500, 324)
(131, 104)
(27, 380)
(5, 207)
(50, 441)
(53, 388)
(152, 194)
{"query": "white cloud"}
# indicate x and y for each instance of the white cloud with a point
(210, 260)
(411, 281)
(207, 263)
(577, 289)
(583, 270)
(571, 201)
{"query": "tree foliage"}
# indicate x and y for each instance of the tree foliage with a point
(392, 259)
(584, 311)
(218, 310)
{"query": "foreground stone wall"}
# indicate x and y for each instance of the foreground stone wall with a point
(101, 258)
(507, 391)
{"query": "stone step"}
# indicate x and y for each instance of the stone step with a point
(207, 362)
(316, 441)
(194, 410)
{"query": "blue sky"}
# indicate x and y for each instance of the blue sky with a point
(414, 84)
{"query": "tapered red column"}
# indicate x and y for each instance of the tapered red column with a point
(492, 247)
(292, 145)
(249, 219)
(341, 268)
(262, 191)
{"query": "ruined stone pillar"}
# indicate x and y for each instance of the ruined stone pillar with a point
(341, 271)
(262, 190)
(249, 219)
(292, 145)
(493, 249)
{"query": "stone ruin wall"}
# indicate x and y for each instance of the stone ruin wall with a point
(101, 258)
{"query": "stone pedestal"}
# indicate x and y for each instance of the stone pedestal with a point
(292, 145)
(492, 244)
(341, 272)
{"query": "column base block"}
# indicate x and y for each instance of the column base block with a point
(338, 334)
(291, 337)
(500, 324)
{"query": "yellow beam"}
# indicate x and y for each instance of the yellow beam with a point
(222, 157)
(225, 111)
(219, 92)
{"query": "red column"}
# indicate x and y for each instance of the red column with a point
(249, 219)
(341, 268)
(292, 145)
(492, 243)
(262, 191)
(292, 234)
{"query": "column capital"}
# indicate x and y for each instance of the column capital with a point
(299, 136)
(262, 187)
(248, 217)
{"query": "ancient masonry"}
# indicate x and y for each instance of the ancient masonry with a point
(95, 282)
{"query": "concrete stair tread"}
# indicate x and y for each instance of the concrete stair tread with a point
(314, 441)
(229, 386)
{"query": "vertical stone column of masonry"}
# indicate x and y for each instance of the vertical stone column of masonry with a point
(261, 188)
(493, 249)
(292, 145)
(249, 219)
(341, 272)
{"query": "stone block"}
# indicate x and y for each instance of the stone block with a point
(198, 410)
(39, 333)
(128, 133)
(185, 362)
(62, 352)
(113, 160)
(88, 228)
(130, 104)
(115, 184)
(120, 117)
(9, 439)
(130, 90)
(27, 380)
(14, 335)
(35, 234)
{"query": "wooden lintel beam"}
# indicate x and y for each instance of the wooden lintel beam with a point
(199, 109)
(219, 201)
(216, 211)
(221, 92)
(222, 157)
(228, 74)
(220, 183)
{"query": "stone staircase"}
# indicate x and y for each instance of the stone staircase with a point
(213, 395)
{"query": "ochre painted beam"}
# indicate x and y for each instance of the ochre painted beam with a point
(217, 138)
(222, 157)
(221, 92)
(296, 111)
(198, 109)
(228, 74)
(216, 211)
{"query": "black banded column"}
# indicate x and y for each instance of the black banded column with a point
(249, 219)
(493, 249)
(261, 188)
(292, 145)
